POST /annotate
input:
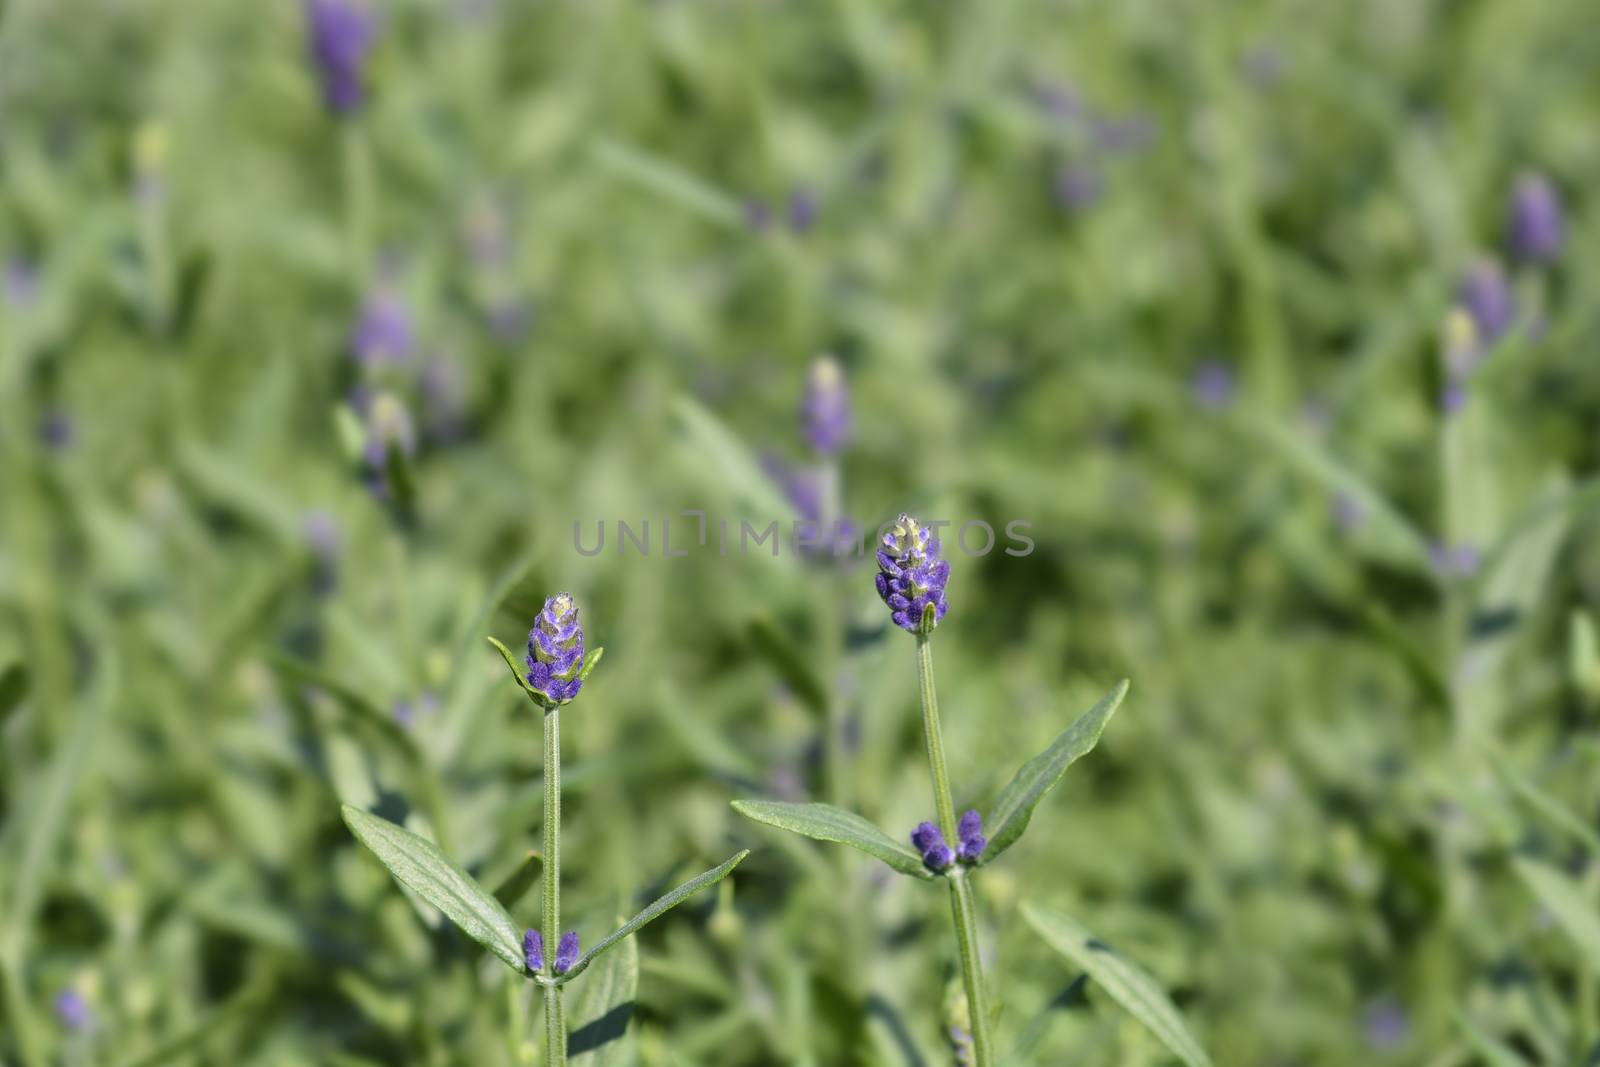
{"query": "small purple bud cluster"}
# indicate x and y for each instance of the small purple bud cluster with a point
(1454, 561)
(555, 653)
(937, 855)
(533, 951)
(801, 211)
(383, 334)
(1534, 224)
(911, 575)
(1485, 294)
(825, 410)
(341, 35)
(1212, 385)
(389, 426)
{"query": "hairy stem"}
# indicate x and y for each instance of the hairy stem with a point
(555, 1029)
(963, 908)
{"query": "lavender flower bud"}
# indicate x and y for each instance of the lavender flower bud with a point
(320, 531)
(910, 573)
(555, 653)
(533, 950)
(388, 426)
(1077, 187)
(567, 952)
(802, 210)
(21, 286)
(341, 34)
(1534, 227)
(825, 412)
(927, 840)
(970, 831)
(1486, 295)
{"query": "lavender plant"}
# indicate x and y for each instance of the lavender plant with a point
(551, 675)
(911, 580)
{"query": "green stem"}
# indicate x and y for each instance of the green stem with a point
(963, 907)
(965, 910)
(555, 1030)
(933, 735)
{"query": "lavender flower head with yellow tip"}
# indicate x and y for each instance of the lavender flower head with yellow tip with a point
(911, 576)
(555, 650)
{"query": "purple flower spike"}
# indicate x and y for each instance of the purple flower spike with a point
(930, 842)
(341, 35)
(802, 210)
(1212, 385)
(567, 952)
(72, 1010)
(533, 950)
(1486, 295)
(911, 575)
(555, 652)
(970, 831)
(825, 412)
(1534, 226)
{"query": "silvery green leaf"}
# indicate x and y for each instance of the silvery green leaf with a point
(824, 822)
(656, 909)
(601, 1008)
(1014, 807)
(418, 864)
(590, 662)
(1127, 983)
(1572, 910)
(515, 668)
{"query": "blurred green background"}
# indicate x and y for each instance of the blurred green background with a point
(1166, 280)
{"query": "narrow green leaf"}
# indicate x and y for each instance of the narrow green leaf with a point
(1127, 983)
(794, 668)
(1014, 807)
(1566, 903)
(728, 464)
(601, 1009)
(590, 662)
(417, 864)
(1543, 804)
(243, 1003)
(669, 181)
(13, 689)
(824, 822)
(1495, 1053)
(656, 910)
(511, 888)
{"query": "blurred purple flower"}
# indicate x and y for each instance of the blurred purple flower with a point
(1058, 100)
(802, 210)
(72, 1011)
(389, 426)
(1077, 186)
(757, 215)
(58, 430)
(1384, 1024)
(1125, 134)
(444, 398)
(21, 285)
(825, 418)
(1486, 295)
(1454, 561)
(1534, 226)
(1212, 385)
(320, 532)
(341, 33)
(383, 332)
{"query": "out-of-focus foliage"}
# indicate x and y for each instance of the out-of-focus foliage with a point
(1165, 280)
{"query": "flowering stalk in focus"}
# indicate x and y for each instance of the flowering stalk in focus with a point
(551, 675)
(911, 580)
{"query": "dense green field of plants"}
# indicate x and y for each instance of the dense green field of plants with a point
(1250, 351)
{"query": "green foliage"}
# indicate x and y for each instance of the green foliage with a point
(1128, 985)
(417, 864)
(1012, 809)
